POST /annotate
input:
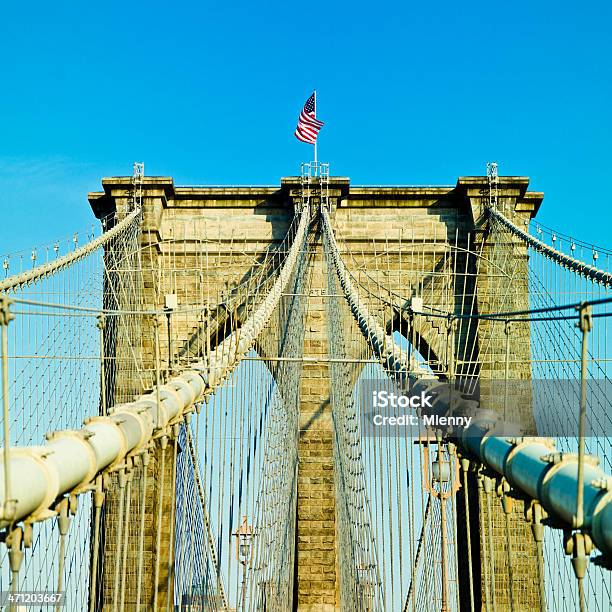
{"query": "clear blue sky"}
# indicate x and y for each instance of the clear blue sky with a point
(411, 92)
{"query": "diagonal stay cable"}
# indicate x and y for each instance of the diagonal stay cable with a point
(202, 498)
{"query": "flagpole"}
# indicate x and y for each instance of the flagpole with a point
(315, 142)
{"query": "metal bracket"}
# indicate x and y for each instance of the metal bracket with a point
(535, 514)
(14, 541)
(579, 545)
(5, 310)
(585, 323)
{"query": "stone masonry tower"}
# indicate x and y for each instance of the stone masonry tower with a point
(176, 223)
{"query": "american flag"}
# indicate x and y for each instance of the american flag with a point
(308, 125)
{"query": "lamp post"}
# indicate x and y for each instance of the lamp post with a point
(243, 535)
(444, 482)
(366, 585)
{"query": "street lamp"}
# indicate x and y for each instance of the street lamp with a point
(444, 482)
(243, 535)
(366, 585)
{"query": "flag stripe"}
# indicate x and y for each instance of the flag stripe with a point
(304, 138)
(300, 135)
(310, 119)
(311, 131)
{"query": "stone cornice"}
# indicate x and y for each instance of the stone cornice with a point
(468, 189)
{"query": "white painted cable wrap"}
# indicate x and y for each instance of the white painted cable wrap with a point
(531, 465)
(590, 272)
(70, 460)
(18, 280)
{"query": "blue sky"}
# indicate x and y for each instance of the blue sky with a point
(411, 93)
